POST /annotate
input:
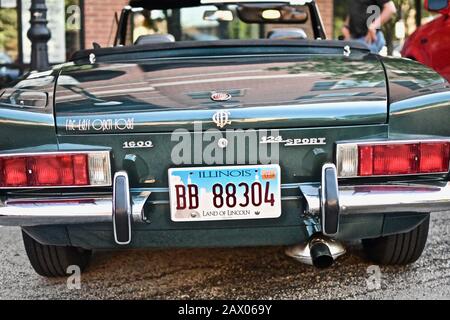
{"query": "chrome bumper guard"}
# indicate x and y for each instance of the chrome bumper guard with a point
(326, 200)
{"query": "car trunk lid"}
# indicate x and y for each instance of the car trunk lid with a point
(262, 90)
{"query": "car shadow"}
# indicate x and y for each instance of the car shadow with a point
(221, 272)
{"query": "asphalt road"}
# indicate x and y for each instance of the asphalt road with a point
(247, 273)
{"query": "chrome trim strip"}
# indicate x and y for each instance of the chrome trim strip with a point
(44, 153)
(28, 154)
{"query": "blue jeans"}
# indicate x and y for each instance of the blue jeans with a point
(375, 47)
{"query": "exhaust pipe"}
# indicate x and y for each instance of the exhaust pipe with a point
(320, 251)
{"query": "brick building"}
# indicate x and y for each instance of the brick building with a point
(76, 24)
(99, 24)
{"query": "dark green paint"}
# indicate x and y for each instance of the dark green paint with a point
(323, 95)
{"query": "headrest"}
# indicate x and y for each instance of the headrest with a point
(292, 33)
(154, 38)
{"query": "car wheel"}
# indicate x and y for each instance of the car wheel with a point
(398, 249)
(53, 261)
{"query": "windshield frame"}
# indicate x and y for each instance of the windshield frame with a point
(171, 4)
(128, 11)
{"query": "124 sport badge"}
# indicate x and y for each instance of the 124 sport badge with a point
(224, 193)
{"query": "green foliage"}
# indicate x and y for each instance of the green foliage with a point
(340, 13)
(404, 8)
(241, 30)
(8, 32)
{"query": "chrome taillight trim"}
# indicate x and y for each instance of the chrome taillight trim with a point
(105, 154)
(342, 146)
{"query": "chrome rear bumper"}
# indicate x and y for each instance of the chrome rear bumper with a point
(352, 200)
(26, 212)
(326, 200)
(330, 201)
(362, 199)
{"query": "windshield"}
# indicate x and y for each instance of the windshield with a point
(210, 22)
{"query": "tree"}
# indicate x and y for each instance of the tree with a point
(8, 32)
(405, 8)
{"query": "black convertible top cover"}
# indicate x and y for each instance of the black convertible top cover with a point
(164, 4)
(267, 43)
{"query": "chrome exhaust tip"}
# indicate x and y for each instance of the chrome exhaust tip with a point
(320, 251)
(320, 254)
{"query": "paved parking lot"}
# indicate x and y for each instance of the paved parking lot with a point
(246, 273)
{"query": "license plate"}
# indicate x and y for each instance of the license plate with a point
(225, 193)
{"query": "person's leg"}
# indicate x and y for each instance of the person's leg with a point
(374, 47)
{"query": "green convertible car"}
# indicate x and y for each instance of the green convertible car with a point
(225, 123)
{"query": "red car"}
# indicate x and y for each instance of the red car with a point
(430, 44)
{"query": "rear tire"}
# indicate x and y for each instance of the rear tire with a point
(398, 249)
(53, 261)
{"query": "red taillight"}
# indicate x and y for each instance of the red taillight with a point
(399, 159)
(365, 160)
(44, 170)
(394, 159)
(13, 172)
(434, 157)
(68, 170)
(80, 169)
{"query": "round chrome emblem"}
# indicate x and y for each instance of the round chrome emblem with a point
(220, 96)
(222, 143)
